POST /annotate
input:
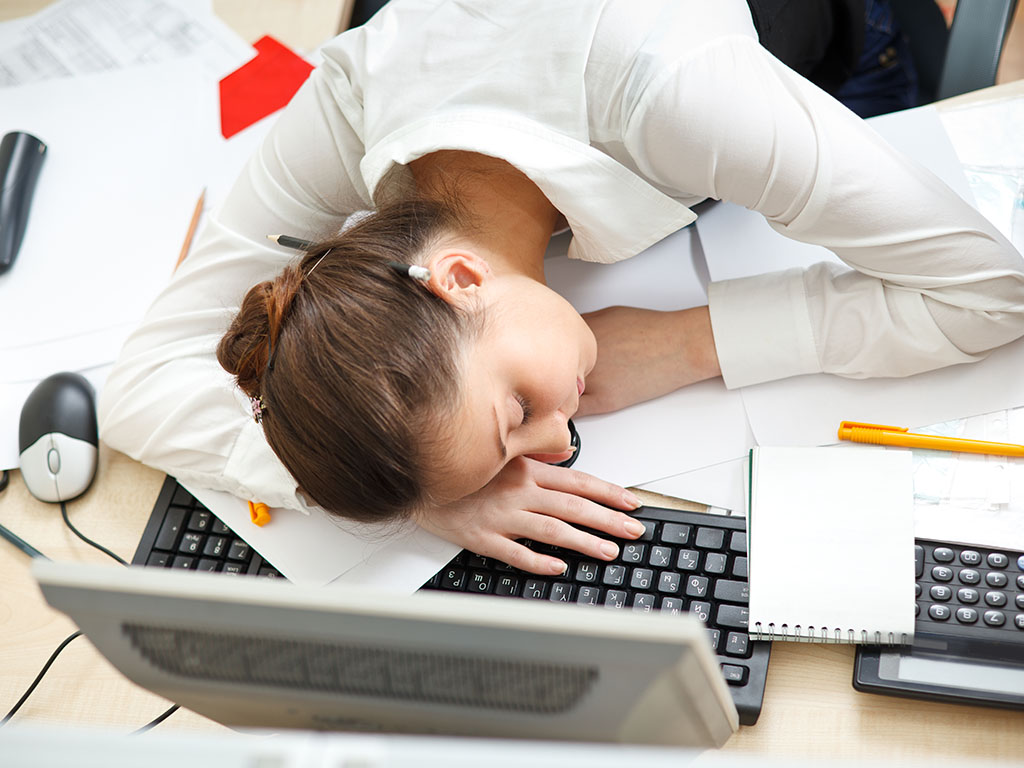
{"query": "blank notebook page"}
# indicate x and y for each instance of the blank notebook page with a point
(831, 545)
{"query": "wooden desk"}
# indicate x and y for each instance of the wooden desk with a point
(810, 707)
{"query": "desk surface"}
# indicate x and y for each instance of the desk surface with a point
(810, 707)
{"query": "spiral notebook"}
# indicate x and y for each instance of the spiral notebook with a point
(831, 545)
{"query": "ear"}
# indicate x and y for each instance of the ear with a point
(457, 275)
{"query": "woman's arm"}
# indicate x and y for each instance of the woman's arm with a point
(933, 282)
(168, 403)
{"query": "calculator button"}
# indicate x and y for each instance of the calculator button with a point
(996, 579)
(1019, 599)
(943, 555)
(995, 599)
(969, 576)
(1020, 582)
(940, 592)
(968, 595)
(997, 560)
(1020, 562)
(942, 573)
(966, 615)
(970, 557)
(939, 612)
(1019, 620)
(917, 589)
(995, 618)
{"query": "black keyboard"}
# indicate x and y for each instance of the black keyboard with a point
(970, 599)
(685, 562)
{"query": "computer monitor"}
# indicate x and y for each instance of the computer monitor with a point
(266, 653)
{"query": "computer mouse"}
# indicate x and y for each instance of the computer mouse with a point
(58, 440)
(21, 159)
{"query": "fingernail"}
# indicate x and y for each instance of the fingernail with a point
(558, 567)
(634, 527)
(631, 500)
(609, 550)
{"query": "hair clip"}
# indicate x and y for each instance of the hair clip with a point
(257, 408)
(412, 270)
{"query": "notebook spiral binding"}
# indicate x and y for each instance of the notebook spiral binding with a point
(811, 634)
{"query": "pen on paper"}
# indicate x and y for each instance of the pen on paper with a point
(191, 229)
(879, 434)
(287, 241)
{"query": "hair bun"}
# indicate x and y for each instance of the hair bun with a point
(244, 350)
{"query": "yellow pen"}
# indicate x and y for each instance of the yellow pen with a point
(879, 434)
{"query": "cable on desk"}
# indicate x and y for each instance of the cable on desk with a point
(4, 479)
(86, 539)
(39, 677)
(155, 721)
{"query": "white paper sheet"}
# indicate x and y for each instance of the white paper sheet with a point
(806, 410)
(693, 427)
(720, 485)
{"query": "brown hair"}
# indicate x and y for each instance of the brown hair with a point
(356, 363)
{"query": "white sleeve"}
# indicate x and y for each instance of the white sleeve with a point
(933, 283)
(168, 403)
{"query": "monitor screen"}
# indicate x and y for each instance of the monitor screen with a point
(261, 653)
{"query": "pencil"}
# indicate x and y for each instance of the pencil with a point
(191, 228)
(21, 544)
(287, 241)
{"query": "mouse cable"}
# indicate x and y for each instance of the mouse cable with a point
(86, 539)
(43, 671)
(156, 721)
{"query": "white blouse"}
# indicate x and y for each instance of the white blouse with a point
(625, 114)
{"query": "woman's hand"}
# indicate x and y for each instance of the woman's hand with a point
(643, 354)
(532, 500)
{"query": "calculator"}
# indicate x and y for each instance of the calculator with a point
(968, 632)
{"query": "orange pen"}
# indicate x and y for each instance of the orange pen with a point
(879, 434)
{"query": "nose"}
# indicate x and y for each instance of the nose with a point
(550, 435)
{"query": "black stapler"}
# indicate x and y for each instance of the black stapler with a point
(21, 158)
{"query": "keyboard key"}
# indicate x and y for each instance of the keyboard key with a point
(167, 538)
(269, 572)
(701, 610)
(190, 543)
(208, 564)
(696, 586)
(215, 546)
(614, 575)
(561, 592)
(588, 596)
(183, 562)
(669, 581)
(736, 616)
(507, 586)
(239, 550)
(687, 560)
(633, 553)
(453, 578)
(715, 563)
(732, 591)
(236, 569)
(615, 598)
(219, 528)
(587, 572)
(734, 674)
(714, 637)
(159, 559)
(739, 568)
(738, 542)
(535, 589)
(709, 538)
(675, 533)
(480, 582)
(641, 578)
(737, 644)
(643, 601)
(200, 520)
(660, 557)
(671, 605)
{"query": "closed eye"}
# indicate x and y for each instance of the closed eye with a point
(524, 403)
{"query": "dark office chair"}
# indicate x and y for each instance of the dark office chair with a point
(963, 57)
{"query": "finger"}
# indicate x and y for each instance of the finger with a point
(577, 483)
(521, 557)
(551, 530)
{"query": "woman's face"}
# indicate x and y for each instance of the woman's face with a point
(521, 382)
